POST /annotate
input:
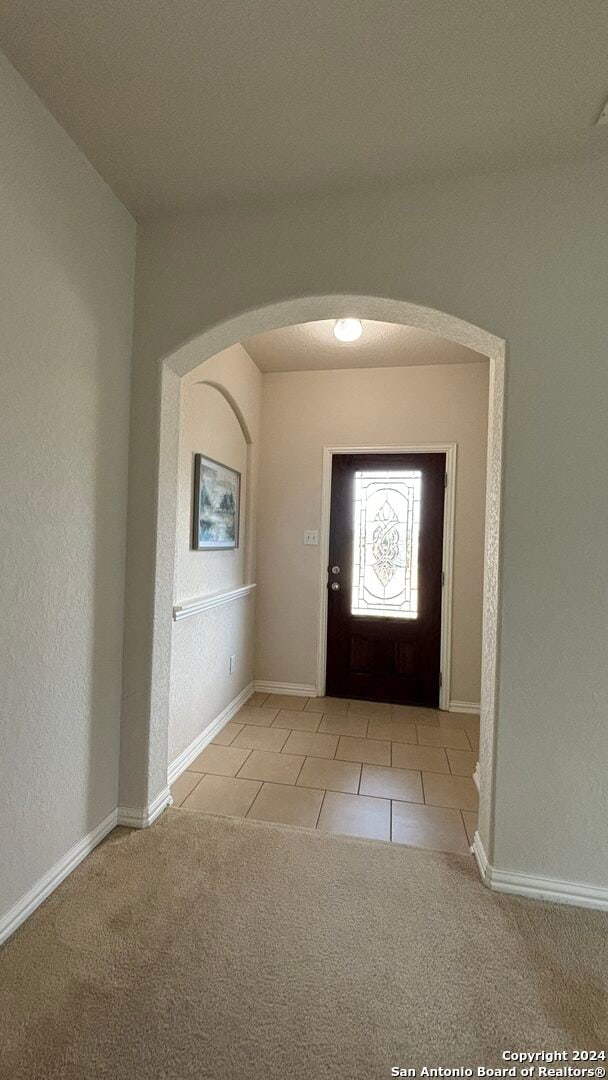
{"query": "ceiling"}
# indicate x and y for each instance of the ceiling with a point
(312, 346)
(200, 103)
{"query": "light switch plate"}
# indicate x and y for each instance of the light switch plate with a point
(311, 537)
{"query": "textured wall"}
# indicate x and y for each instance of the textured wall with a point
(523, 255)
(201, 684)
(304, 411)
(208, 425)
(65, 330)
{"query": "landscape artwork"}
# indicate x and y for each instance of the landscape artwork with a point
(217, 492)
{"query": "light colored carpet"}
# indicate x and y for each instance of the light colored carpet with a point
(222, 948)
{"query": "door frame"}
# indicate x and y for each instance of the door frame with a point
(451, 454)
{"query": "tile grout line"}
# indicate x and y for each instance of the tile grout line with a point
(201, 777)
(232, 739)
(366, 737)
(259, 727)
(299, 771)
(237, 774)
(320, 808)
(289, 731)
(284, 783)
(277, 783)
(255, 798)
(250, 807)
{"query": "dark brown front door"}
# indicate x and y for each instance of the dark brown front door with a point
(385, 577)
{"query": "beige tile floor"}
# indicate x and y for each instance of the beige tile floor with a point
(359, 768)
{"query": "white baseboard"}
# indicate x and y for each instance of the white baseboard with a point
(293, 689)
(477, 776)
(49, 882)
(538, 888)
(137, 817)
(480, 857)
(187, 756)
(465, 706)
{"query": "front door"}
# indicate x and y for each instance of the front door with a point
(385, 577)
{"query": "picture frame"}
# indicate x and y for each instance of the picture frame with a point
(216, 505)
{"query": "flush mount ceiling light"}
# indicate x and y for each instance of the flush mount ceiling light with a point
(348, 329)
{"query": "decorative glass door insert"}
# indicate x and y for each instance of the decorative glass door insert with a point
(384, 585)
(385, 547)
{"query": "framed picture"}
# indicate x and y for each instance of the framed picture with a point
(217, 497)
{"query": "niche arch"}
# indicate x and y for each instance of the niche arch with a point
(247, 537)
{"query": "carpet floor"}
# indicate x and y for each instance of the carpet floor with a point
(210, 947)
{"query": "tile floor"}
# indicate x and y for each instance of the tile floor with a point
(359, 768)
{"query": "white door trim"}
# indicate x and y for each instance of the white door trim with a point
(450, 451)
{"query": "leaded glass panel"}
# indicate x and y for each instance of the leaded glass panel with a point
(385, 545)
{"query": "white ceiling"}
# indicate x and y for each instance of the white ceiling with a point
(312, 347)
(183, 103)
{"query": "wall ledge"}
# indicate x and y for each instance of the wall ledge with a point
(537, 888)
(212, 600)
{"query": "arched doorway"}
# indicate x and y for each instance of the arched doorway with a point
(203, 347)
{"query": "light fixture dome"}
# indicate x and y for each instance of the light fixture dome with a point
(348, 329)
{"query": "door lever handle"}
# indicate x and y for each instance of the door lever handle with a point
(335, 586)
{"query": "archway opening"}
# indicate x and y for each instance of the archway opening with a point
(195, 353)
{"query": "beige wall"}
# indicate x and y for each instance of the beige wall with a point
(66, 270)
(201, 683)
(524, 256)
(208, 425)
(307, 410)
